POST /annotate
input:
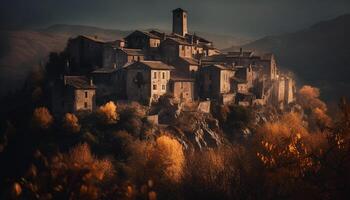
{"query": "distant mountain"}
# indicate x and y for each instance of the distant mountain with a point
(20, 51)
(75, 30)
(319, 55)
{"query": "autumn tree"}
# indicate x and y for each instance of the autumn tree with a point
(108, 113)
(71, 123)
(42, 118)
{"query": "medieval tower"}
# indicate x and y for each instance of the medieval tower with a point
(180, 22)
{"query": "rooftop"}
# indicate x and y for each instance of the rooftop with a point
(105, 70)
(93, 38)
(133, 52)
(79, 82)
(157, 65)
(221, 67)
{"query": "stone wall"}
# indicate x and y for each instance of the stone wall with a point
(84, 100)
(183, 91)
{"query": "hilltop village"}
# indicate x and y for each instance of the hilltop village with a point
(146, 65)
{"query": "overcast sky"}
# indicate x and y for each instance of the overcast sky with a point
(233, 17)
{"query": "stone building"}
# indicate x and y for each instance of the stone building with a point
(215, 82)
(180, 22)
(142, 40)
(147, 64)
(118, 57)
(182, 88)
(146, 81)
(73, 94)
(85, 54)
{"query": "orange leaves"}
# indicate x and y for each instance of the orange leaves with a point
(108, 113)
(308, 98)
(71, 123)
(42, 118)
(170, 154)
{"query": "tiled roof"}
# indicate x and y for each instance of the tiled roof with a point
(179, 40)
(221, 67)
(133, 52)
(145, 33)
(190, 61)
(158, 65)
(95, 39)
(105, 70)
(79, 82)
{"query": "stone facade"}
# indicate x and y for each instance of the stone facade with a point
(182, 89)
(85, 54)
(215, 80)
(146, 81)
(73, 94)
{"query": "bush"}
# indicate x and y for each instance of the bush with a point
(71, 123)
(108, 113)
(42, 118)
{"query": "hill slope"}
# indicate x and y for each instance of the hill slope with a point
(318, 55)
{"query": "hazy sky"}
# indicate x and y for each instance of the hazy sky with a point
(234, 17)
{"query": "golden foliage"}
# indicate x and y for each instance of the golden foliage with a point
(164, 158)
(169, 153)
(71, 123)
(108, 112)
(288, 144)
(42, 118)
(308, 98)
(81, 167)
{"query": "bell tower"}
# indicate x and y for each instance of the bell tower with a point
(180, 21)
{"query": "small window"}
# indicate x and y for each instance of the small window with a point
(85, 105)
(155, 75)
(182, 85)
(163, 74)
(86, 94)
(163, 87)
(154, 87)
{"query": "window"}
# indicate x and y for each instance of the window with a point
(182, 85)
(163, 87)
(85, 105)
(154, 74)
(86, 94)
(154, 87)
(163, 74)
